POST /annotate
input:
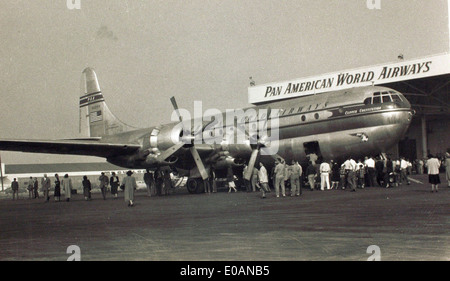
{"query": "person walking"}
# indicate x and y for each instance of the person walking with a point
(45, 183)
(66, 184)
(263, 180)
(86, 188)
(114, 182)
(433, 165)
(404, 171)
(15, 189)
(103, 184)
(130, 185)
(57, 193)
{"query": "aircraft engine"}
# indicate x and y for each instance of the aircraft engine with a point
(229, 162)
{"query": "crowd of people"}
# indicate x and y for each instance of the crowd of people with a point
(326, 175)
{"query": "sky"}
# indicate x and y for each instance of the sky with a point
(144, 52)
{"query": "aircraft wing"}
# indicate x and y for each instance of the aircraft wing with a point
(87, 147)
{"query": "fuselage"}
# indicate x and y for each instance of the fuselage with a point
(335, 125)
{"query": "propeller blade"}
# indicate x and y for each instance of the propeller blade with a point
(175, 106)
(251, 164)
(170, 151)
(199, 163)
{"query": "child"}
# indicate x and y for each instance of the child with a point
(231, 184)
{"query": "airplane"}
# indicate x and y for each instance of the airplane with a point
(335, 125)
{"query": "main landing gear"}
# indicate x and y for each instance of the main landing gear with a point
(195, 185)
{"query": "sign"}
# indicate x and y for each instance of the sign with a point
(375, 75)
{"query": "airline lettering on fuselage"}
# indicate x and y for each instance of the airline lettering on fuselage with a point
(362, 110)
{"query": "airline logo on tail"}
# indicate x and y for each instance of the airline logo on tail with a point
(91, 99)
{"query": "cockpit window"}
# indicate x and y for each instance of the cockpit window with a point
(396, 98)
(383, 97)
(386, 98)
(376, 100)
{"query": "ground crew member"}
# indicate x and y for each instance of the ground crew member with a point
(324, 175)
(279, 178)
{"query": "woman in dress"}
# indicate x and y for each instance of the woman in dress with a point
(130, 185)
(114, 182)
(66, 184)
(57, 193)
(86, 188)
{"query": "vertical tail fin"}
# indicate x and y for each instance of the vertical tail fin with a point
(99, 119)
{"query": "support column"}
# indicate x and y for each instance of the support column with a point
(424, 136)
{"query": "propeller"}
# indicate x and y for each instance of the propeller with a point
(198, 161)
(260, 143)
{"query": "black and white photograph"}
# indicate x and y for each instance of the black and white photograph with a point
(225, 136)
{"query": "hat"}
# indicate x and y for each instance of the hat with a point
(129, 173)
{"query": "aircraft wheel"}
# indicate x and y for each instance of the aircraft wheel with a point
(195, 186)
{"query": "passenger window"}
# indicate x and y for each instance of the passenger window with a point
(386, 99)
(368, 101)
(376, 100)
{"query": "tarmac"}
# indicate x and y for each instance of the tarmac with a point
(405, 223)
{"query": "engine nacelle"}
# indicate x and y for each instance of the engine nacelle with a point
(229, 162)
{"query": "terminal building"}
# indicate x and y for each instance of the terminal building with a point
(423, 81)
(76, 171)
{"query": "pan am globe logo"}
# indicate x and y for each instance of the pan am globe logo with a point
(257, 127)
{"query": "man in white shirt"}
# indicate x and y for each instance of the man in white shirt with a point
(350, 168)
(403, 171)
(433, 165)
(263, 180)
(324, 175)
(370, 164)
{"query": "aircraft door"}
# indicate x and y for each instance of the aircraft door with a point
(313, 148)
